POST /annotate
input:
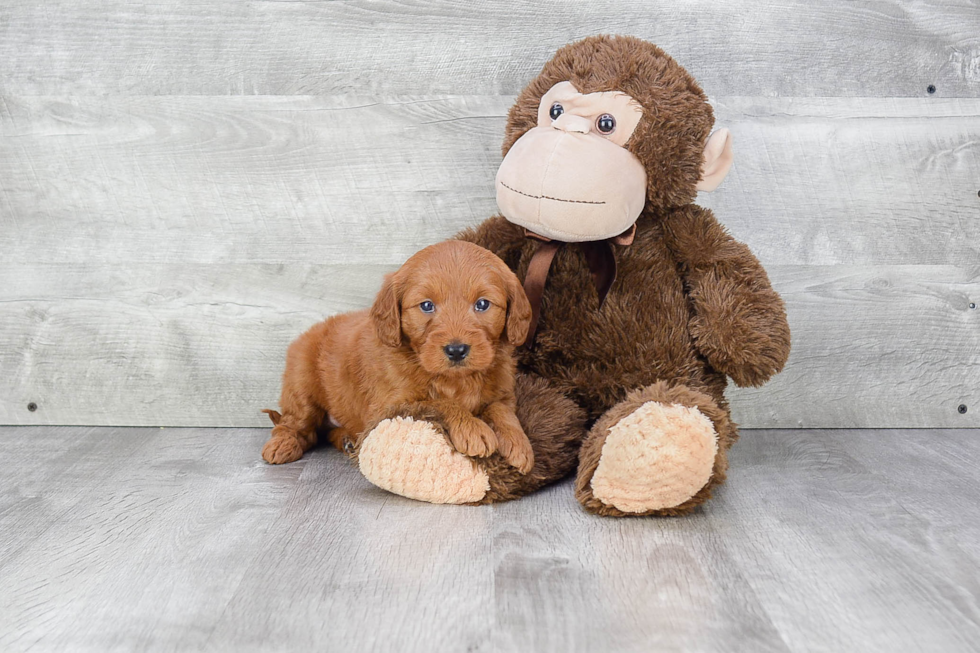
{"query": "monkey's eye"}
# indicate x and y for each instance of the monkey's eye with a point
(482, 304)
(427, 307)
(606, 124)
(556, 110)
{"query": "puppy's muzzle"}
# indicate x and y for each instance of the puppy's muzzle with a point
(456, 352)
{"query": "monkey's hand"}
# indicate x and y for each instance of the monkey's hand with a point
(739, 322)
(741, 330)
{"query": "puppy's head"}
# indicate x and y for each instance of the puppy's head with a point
(453, 303)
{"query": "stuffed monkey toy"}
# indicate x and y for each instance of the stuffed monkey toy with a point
(642, 303)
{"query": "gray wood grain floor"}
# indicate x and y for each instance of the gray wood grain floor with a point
(182, 539)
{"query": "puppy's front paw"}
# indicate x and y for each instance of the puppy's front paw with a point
(517, 452)
(282, 449)
(473, 437)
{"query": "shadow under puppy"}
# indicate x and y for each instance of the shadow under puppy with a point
(441, 335)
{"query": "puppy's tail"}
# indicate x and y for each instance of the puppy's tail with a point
(273, 415)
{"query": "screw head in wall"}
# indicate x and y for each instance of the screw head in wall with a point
(32, 406)
(931, 89)
(961, 408)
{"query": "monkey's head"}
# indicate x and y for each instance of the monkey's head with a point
(611, 125)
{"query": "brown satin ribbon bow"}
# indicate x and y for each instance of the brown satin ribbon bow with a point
(598, 254)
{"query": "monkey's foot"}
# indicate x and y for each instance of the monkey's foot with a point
(412, 458)
(654, 460)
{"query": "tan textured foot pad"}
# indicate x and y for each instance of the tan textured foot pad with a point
(411, 458)
(656, 457)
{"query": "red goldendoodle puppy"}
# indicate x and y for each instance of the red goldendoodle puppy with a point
(442, 331)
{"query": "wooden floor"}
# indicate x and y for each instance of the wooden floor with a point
(183, 539)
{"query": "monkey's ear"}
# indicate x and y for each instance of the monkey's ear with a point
(386, 313)
(718, 159)
(518, 311)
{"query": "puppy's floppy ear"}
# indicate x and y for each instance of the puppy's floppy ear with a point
(518, 311)
(386, 313)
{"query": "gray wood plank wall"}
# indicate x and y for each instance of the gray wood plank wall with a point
(184, 188)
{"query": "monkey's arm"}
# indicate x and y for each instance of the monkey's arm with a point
(739, 322)
(503, 238)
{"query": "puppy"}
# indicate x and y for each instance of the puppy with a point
(441, 332)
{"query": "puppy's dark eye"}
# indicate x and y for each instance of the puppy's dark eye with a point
(606, 124)
(427, 307)
(556, 110)
(482, 304)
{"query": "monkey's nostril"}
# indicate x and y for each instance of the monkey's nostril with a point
(456, 351)
(570, 123)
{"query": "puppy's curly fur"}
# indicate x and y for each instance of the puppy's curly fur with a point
(441, 333)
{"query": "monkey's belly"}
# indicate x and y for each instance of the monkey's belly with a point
(597, 355)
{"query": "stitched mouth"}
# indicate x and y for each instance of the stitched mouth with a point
(545, 197)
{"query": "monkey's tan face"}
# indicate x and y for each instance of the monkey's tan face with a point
(571, 178)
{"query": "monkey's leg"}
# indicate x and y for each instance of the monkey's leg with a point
(409, 454)
(658, 452)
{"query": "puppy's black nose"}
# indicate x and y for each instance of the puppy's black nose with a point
(456, 351)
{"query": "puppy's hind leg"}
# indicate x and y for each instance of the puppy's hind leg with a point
(294, 434)
(342, 439)
(294, 431)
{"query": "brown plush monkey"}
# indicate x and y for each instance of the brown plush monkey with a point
(644, 304)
